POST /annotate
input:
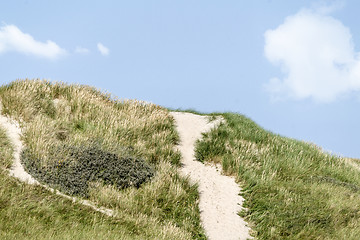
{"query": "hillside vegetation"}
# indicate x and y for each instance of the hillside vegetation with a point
(118, 154)
(292, 189)
(121, 155)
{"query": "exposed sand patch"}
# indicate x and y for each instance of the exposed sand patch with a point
(219, 195)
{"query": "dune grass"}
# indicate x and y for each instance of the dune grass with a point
(53, 115)
(292, 189)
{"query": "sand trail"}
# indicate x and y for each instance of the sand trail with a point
(219, 195)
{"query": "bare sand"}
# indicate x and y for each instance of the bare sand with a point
(219, 195)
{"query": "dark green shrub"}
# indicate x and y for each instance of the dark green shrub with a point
(85, 164)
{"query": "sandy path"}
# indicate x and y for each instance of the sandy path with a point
(219, 195)
(17, 170)
(14, 132)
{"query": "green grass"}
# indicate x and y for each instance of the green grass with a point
(56, 114)
(292, 189)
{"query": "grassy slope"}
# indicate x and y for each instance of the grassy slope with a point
(292, 189)
(30, 212)
(56, 114)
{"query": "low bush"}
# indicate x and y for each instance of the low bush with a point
(86, 164)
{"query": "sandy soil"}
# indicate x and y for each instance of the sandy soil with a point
(219, 195)
(14, 132)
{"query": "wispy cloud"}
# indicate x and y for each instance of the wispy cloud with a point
(102, 49)
(323, 7)
(82, 50)
(315, 52)
(13, 39)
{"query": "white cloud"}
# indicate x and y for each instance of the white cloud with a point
(316, 54)
(103, 50)
(82, 50)
(13, 39)
(322, 7)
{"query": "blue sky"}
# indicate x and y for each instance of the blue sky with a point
(291, 66)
